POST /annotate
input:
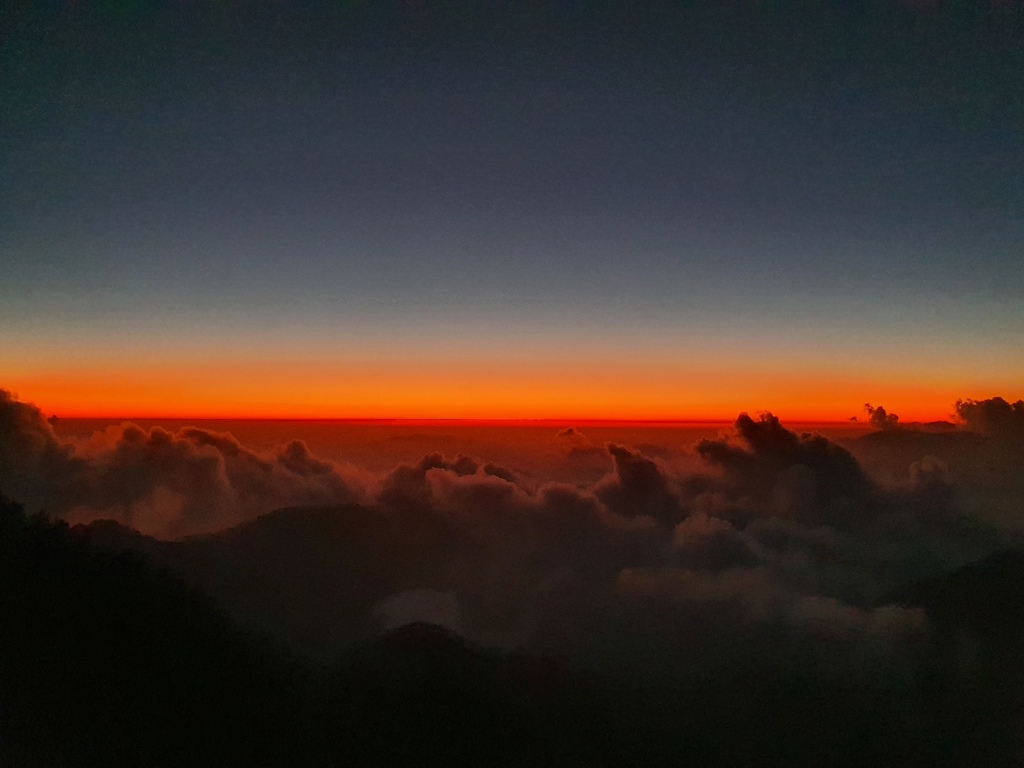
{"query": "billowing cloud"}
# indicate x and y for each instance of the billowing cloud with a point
(973, 470)
(994, 416)
(879, 418)
(637, 487)
(770, 470)
(163, 483)
(712, 544)
(578, 447)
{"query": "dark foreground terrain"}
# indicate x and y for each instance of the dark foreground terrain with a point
(105, 660)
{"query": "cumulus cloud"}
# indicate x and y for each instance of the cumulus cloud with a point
(994, 416)
(638, 487)
(974, 468)
(511, 553)
(163, 483)
(34, 464)
(879, 418)
(770, 470)
(578, 447)
(710, 543)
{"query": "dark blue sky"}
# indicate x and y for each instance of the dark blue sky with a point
(816, 179)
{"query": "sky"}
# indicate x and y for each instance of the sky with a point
(498, 210)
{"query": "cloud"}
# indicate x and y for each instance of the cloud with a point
(712, 544)
(160, 482)
(512, 554)
(994, 416)
(409, 483)
(34, 464)
(778, 540)
(973, 471)
(755, 588)
(637, 487)
(880, 419)
(770, 470)
(578, 446)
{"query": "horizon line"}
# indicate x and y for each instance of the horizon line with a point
(540, 421)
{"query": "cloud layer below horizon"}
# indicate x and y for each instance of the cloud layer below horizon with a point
(764, 560)
(771, 524)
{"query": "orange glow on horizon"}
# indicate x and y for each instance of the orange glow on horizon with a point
(494, 398)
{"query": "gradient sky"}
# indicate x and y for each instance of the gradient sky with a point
(497, 210)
